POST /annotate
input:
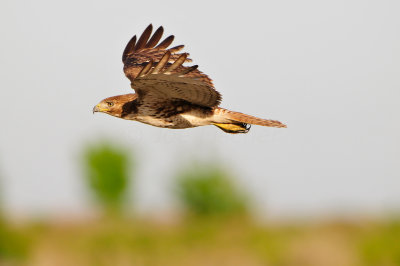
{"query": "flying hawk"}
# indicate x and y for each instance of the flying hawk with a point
(169, 94)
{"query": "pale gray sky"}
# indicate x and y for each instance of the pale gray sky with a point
(329, 69)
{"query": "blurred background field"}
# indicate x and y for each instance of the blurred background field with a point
(214, 226)
(200, 242)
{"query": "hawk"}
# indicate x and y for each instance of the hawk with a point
(168, 94)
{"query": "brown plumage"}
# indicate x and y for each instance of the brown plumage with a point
(169, 94)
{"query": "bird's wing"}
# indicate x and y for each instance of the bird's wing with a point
(171, 81)
(157, 72)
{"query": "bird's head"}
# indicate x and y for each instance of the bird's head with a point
(114, 105)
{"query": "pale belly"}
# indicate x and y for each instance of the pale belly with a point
(157, 122)
(186, 120)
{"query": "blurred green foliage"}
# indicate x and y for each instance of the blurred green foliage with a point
(208, 190)
(14, 245)
(107, 169)
(381, 246)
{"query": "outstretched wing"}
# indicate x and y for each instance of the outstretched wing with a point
(157, 72)
(165, 81)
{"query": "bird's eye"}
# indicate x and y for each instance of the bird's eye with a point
(110, 104)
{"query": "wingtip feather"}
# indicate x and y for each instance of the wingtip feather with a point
(155, 38)
(164, 44)
(143, 38)
(129, 48)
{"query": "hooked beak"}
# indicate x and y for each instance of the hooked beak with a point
(96, 109)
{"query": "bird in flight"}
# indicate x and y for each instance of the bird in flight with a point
(168, 94)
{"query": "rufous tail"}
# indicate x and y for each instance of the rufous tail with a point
(240, 123)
